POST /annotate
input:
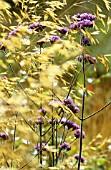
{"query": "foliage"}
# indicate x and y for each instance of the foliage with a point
(43, 76)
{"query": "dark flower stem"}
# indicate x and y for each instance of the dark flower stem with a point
(56, 125)
(82, 116)
(14, 135)
(53, 126)
(4, 155)
(40, 153)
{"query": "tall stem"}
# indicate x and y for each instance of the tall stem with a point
(53, 139)
(56, 125)
(82, 116)
(40, 126)
(14, 135)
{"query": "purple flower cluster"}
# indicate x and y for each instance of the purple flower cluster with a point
(3, 136)
(42, 110)
(66, 146)
(70, 124)
(85, 41)
(77, 158)
(13, 33)
(37, 147)
(37, 26)
(81, 21)
(54, 39)
(87, 58)
(69, 103)
(63, 30)
(39, 120)
(77, 133)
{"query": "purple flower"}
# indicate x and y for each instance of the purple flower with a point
(85, 41)
(77, 158)
(37, 147)
(73, 26)
(68, 102)
(90, 59)
(37, 26)
(63, 30)
(73, 108)
(53, 39)
(13, 33)
(42, 110)
(87, 58)
(66, 146)
(70, 124)
(32, 26)
(3, 136)
(39, 120)
(77, 133)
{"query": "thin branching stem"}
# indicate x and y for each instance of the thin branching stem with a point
(5, 159)
(28, 123)
(98, 111)
(82, 116)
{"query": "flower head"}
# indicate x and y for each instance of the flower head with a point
(66, 146)
(77, 133)
(37, 26)
(77, 158)
(42, 110)
(69, 103)
(39, 120)
(13, 33)
(63, 30)
(70, 124)
(85, 41)
(3, 136)
(87, 58)
(54, 39)
(37, 147)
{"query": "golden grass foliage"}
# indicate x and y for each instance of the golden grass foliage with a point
(32, 75)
